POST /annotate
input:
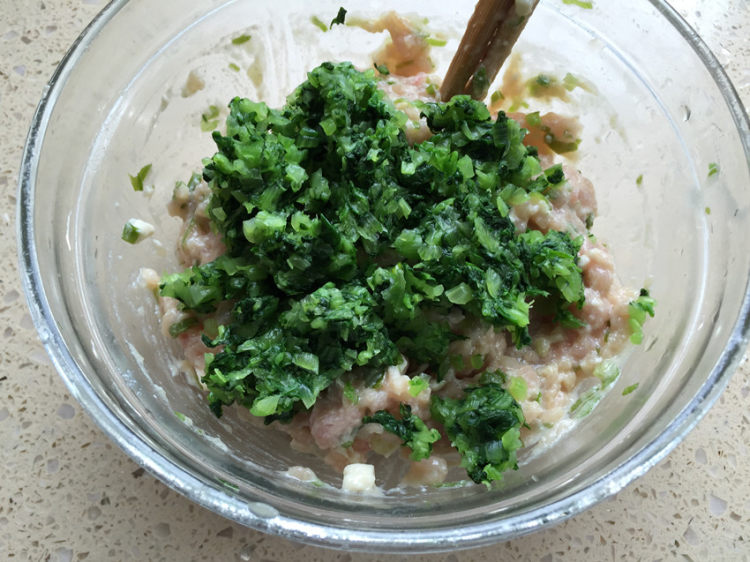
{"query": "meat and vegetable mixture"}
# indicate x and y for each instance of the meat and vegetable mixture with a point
(367, 293)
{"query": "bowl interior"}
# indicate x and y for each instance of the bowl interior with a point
(647, 144)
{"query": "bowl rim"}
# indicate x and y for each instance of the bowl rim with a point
(258, 516)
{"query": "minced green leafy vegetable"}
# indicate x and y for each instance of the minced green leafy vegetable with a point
(347, 247)
(410, 428)
(484, 426)
(210, 118)
(340, 18)
(244, 38)
(418, 384)
(585, 4)
(317, 22)
(629, 389)
(607, 372)
(136, 230)
(637, 311)
(137, 180)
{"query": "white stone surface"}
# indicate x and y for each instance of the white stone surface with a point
(67, 493)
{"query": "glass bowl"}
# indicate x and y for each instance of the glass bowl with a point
(665, 141)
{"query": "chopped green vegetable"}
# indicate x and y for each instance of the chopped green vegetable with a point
(318, 23)
(629, 389)
(410, 428)
(209, 118)
(586, 403)
(637, 311)
(383, 69)
(137, 180)
(533, 119)
(347, 247)
(418, 384)
(340, 17)
(244, 38)
(607, 372)
(587, 5)
(180, 416)
(434, 42)
(485, 427)
(477, 361)
(571, 82)
(136, 230)
(233, 66)
(480, 83)
(350, 393)
(639, 180)
(713, 169)
(518, 388)
(708, 210)
(182, 326)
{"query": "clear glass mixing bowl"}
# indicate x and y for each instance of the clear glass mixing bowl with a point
(661, 109)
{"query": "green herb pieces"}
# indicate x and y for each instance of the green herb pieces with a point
(234, 67)
(418, 384)
(136, 230)
(586, 403)
(435, 42)
(586, 5)
(713, 169)
(571, 82)
(638, 309)
(518, 388)
(629, 389)
(244, 38)
(639, 180)
(182, 326)
(316, 21)
(607, 372)
(350, 393)
(382, 69)
(210, 118)
(485, 427)
(339, 19)
(410, 428)
(137, 180)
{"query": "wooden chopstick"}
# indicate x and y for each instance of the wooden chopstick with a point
(492, 31)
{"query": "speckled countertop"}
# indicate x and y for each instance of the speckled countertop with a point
(67, 493)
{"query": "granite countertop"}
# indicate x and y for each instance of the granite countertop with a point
(67, 493)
